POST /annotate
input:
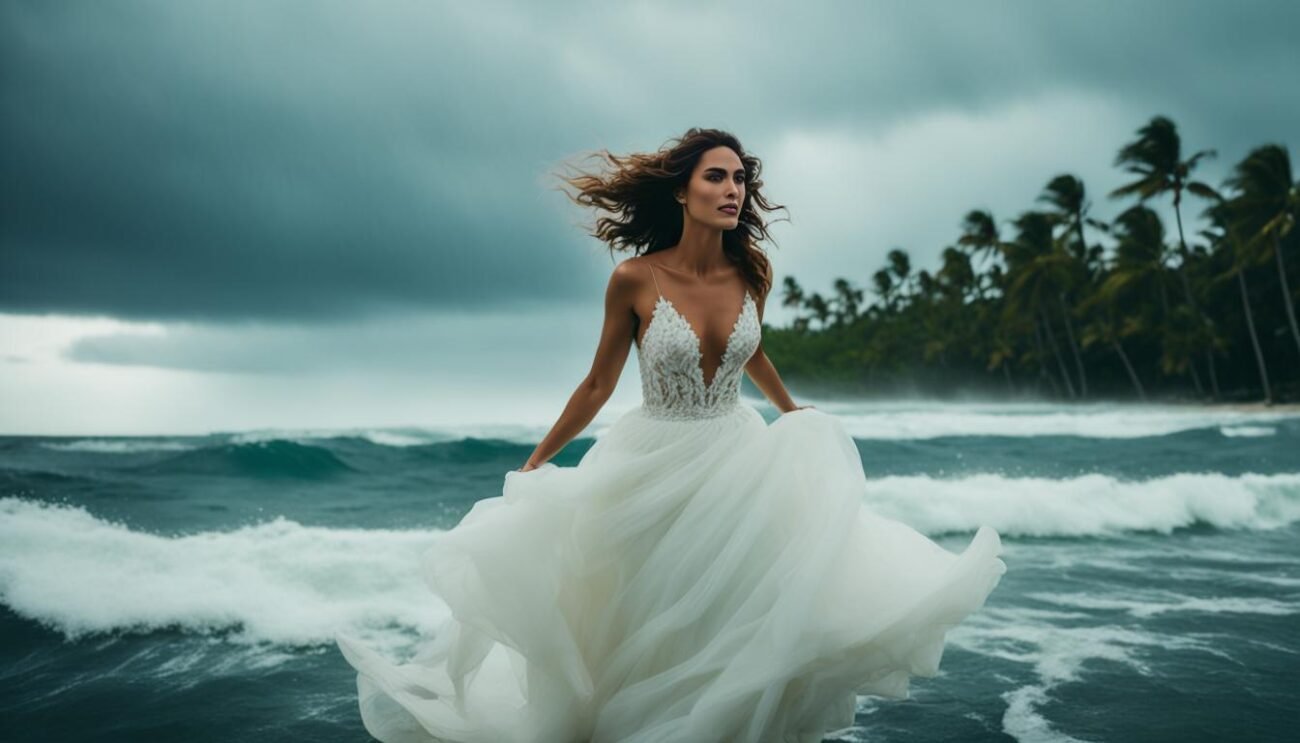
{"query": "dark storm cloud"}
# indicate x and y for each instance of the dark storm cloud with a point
(305, 160)
(163, 160)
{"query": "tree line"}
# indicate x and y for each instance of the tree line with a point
(1040, 305)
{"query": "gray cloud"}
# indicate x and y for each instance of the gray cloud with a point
(305, 161)
(444, 346)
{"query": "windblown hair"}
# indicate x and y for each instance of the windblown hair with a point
(639, 192)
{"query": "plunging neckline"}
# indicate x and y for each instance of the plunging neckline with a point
(699, 344)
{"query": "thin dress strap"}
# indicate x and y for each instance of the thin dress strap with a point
(652, 276)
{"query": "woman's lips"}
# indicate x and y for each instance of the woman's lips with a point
(728, 209)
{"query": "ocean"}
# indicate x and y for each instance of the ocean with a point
(187, 587)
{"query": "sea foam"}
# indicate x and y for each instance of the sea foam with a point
(278, 582)
(926, 420)
(1090, 505)
(286, 583)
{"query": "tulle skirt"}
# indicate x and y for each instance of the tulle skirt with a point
(704, 580)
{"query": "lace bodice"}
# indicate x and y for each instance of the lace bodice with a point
(670, 356)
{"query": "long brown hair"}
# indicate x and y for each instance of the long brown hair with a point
(639, 192)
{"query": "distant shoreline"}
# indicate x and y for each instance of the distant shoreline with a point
(1181, 403)
(1248, 407)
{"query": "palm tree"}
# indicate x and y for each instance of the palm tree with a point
(1106, 329)
(1067, 194)
(847, 300)
(1268, 200)
(1137, 272)
(998, 342)
(1140, 255)
(900, 265)
(1001, 351)
(792, 293)
(1038, 271)
(1156, 158)
(1071, 206)
(979, 234)
(819, 307)
(891, 281)
(933, 301)
(956, 275)
(884, 282)
(1225, 218)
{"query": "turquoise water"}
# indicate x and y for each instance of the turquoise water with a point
(188, 587)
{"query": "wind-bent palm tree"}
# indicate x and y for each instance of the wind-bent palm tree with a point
(891, 281)
(1141, 255)
(931, 301)
(848, 299)
(1138, 272)
(961, 307)
(1156, 157)
(979, 234)
(956, 275)
(819, 307)
(1038, 272)
(884, 283)
(1068, 197)
(900, 265)
(1108, 330)
(1268, 201)
(1225, 218)
(792, 293)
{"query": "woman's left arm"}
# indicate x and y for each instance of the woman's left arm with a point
(763, 373)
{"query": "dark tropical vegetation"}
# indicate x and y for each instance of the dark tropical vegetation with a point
(1054, 302)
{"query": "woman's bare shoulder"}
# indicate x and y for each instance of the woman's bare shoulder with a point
(629, 275)
(630, 267)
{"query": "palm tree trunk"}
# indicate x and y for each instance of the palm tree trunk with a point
(1205, 320)
(1132, 375)
(1056, 351)
(1254, 339)
(1006, 372)
(1286, 289)
(1164, 293)
(1182, 244)
(1178, 215)
(1196, 378)
(1042, 364)
(1074, 347)
(1209, 355)
(1214, 377)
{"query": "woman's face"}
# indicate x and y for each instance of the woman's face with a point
(717, 182)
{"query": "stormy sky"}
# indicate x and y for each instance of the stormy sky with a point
(222, 215)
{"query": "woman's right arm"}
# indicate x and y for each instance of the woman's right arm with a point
(616, 337)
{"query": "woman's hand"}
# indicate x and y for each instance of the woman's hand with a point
(801, 407)
(528, 466)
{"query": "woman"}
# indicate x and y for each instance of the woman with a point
(700, 575)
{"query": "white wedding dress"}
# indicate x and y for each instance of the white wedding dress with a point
(700, 575)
